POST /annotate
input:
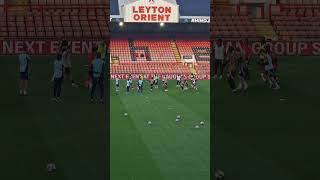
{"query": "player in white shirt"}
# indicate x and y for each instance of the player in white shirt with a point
(131, 81)
(241, 67)
(219, 52)
(178, 80)
(269, 69)
(117, 84)
(24, 67)
(194, 82)
(66, 58)
(165, 83)
(156, 81)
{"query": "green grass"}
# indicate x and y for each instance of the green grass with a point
(257, 136)
(35, 130)
(165, 150)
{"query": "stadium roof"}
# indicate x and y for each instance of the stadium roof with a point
(187, 7)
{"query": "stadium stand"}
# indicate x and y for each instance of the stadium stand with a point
(158, 55)
(230, 21)
(299, 21)
(49, 19)
(287, 20)
(149, 68)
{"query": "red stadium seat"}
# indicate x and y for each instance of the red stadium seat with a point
(296, 23)
(50, 18)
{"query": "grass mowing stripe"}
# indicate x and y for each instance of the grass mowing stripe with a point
(33, 123)
(130, 158)
(272, 138)
(173, 147)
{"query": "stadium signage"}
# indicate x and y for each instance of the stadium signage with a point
(44, 47)
(200, 20)
(146, 11)
(11, 47)
(168, 76)
(284, 48)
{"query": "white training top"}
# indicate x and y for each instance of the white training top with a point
(178, 78)
(218, 52)
(269, 66)
(66, 58)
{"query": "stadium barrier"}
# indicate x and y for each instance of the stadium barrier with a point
(168, 76)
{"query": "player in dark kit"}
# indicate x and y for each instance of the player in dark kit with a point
(140, 85)
(128, 84)
(165, 83)
(57, 78)
(131, 81)
(241, 68)
(194, 82)
(182, 85)
(156, 81)
(262, 53)
(231, 66)
(185, 85)
(151, 84)
(178, 80)
(90, 58)
(98, 69)
(24, 61)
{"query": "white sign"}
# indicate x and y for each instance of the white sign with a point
(201, 20)
(152, 11)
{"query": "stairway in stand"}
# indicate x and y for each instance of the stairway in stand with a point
(175, 50)
(265, 29)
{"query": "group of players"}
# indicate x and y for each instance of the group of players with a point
(236, 61)
(62, 70)
(154, 83)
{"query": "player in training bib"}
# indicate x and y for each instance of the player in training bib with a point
(24, 62)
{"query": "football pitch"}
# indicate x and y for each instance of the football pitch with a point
(35, 131)
(164, 149)
(268, 134)
(263, 134)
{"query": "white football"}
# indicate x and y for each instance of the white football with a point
(125, 114)
(149, 122)
(51, 167)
